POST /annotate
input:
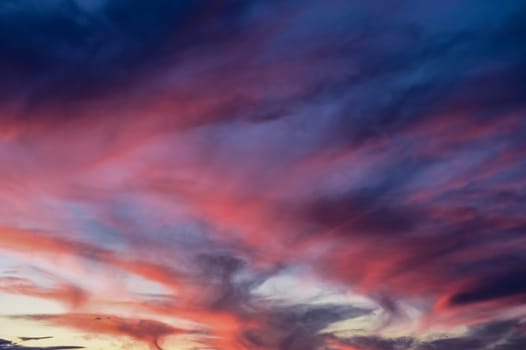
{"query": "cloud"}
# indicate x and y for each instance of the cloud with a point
(62, 292)
(167, 160)
(34, 338)
(292, 327)
(497, 335)
(147, 331)
(7, 344)
(85, 52)
(501, 286)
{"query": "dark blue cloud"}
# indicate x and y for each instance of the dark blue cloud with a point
(509, 283)
(388, 65)
(65, 51)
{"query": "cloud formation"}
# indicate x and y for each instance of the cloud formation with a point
(495, 335)
(272, 175)
(6, 344)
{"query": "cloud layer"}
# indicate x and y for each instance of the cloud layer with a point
(237, 174)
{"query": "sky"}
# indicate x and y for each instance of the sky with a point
(263, 175)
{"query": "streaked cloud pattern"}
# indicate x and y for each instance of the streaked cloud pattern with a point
(274, 175)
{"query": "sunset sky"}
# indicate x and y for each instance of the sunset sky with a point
(263, 175)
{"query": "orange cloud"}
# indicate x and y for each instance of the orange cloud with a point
(63, 292)
(148, 331)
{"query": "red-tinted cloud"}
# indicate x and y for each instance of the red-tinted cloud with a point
(173, 160)
(147, 331)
